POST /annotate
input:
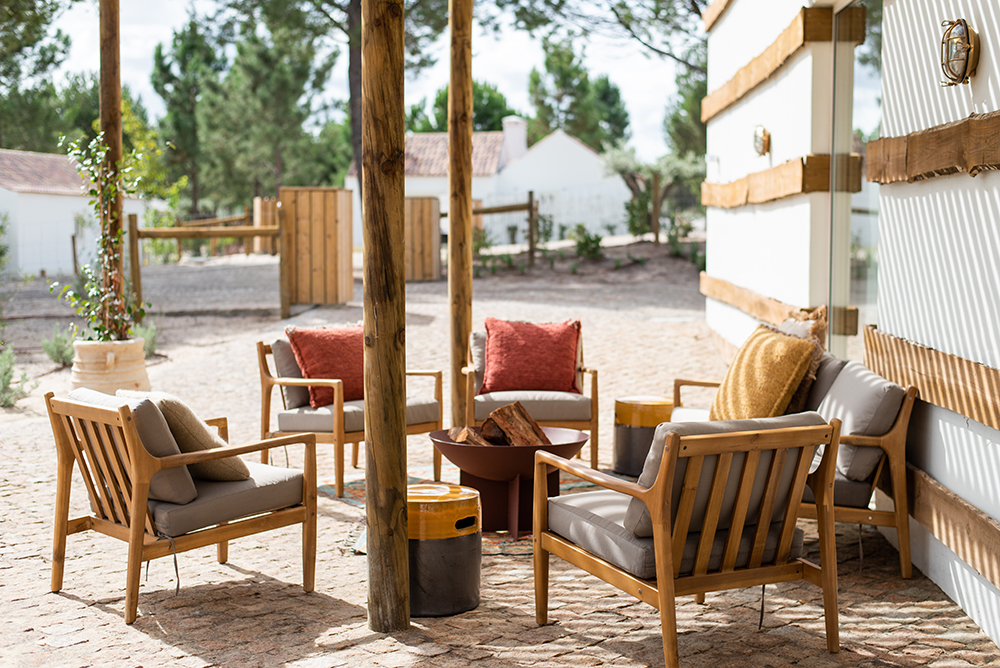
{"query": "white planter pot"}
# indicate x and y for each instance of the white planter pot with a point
(107, 366)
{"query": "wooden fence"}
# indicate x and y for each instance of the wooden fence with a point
(422, 238)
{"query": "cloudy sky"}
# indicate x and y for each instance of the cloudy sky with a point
(646, 83)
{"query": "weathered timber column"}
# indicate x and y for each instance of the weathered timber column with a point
(385, 323)
(110, 95)
(460, 197)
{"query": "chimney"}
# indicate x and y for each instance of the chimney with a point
(515, 139)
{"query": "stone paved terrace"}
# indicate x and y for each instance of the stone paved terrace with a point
(642, 327)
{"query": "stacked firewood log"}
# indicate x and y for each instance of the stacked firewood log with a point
(507, 425)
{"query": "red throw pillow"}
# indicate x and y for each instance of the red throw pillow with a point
(330, 352)
(528, 356)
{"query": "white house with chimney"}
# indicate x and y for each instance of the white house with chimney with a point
(50, 222)
(566, 176)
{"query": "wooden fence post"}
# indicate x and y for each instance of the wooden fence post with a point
(532, 228)
(133, 258)
(110, 96)
(286, 231)
(382, 137)
(247, 241)
(654, 212)
(460, 200)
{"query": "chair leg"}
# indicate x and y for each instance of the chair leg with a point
(354, 455)
(338, 455)
(222, 549)
(541, 563)
(699, 598)
(265, 456)
(309, 551)
(593, 448)
(898, 473)
(437, 464)
(63, 483)
(828, 576)
(136, 532)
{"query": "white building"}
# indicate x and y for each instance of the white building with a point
(41, 196)
(926, 269)
(566, 176)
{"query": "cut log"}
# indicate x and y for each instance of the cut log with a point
(467, 435)
(492, 432)
(518, 426)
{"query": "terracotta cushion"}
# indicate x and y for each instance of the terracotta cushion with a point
(530, 356)
(764, 375)
(330, 353)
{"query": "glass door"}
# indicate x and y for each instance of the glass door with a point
(857, 119)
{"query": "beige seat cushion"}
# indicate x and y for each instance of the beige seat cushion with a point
(193, 435)
(688, 414)
(305, 418)
(173, 484)
(542, 405)
(764, 375)
(267, 488)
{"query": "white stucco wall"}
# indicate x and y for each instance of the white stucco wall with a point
(939, 250)
(780, 249)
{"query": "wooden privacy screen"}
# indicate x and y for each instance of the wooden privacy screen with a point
(812, 24)
(422, 233)
(801, 175)
(944, 380)
(265, 214)
(971, 145)
(316, 247)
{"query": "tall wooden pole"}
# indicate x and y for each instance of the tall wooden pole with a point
(654, 209)
(110, 95)
(382, 136)
(460, 197)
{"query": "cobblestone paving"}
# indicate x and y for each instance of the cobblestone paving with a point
(641, 329)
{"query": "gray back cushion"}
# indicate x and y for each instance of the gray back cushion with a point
(287, 367)
(637, 517)
(867, 404)
(477, 346)
(174, 484)
(829, 368)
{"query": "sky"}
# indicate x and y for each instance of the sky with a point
(646, 83)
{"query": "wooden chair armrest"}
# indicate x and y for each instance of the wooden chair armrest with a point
(185, 458)
(468, 370)
(681, 382)
(587, 369)
(222, 424)
(309, 382)
(423, 372)
(871, 441)
(584, 472)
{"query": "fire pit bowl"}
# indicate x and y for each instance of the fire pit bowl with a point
(506, 462)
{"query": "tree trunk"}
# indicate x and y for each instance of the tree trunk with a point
(110, 93)
(384, 316)
(354, 83)
(460, 199)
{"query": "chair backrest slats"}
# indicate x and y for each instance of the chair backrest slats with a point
(72, 433)
(106, 456)
(692, 476)
(716, 497)
(798, 486)
(88, 447)
(767, 507)
(117, 454)
(740, 510)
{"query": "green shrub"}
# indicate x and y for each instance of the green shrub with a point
(480, 241)
(148, 333)
(543, 228)
(588, 245)
(637, 215)
(11, 391)
(60, 347)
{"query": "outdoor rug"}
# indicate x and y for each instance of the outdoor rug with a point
(494, 542)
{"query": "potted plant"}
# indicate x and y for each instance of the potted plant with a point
(107, 357)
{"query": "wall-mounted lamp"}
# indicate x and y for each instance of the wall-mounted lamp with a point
(959, 52)
(761, 140)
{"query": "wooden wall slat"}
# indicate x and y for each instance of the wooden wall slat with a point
(408, 226)
(970, 145)
(794, 177)
(317, 246)
(345, 221)
(970, 533)
(422, 225)
(330, 271)
(713, 12)
(944, 380)
(752, 303)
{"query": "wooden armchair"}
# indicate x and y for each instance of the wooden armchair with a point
(733, 490)
(342, 421)
(547, 408)
(875, 415)
(118, 472)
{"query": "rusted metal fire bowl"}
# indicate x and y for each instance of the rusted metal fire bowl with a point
(505, 462)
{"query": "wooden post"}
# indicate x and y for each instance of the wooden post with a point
(110, 94)
(286, 260)
(247, 241)
(460, 198)
(133, 259)
(382, 137)
(532, 228)
(654, 213)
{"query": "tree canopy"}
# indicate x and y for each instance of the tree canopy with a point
(489, 107)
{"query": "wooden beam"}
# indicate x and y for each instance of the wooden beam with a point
(205, 232)
(970, 145)
(752, 303)
(945, 380)
(460, 197)
(110, 96)
(713, 12)
(382, 137)
(795, 177)
(970, 533)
